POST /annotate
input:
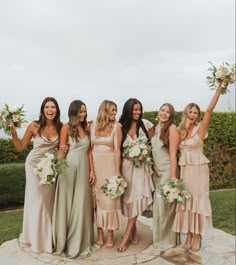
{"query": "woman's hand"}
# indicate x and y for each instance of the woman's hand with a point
(64, 147)
(91, 177)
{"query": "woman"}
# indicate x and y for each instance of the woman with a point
(138, 196)
(39, 199)
(106, 138)
(73, 232)
(194, 217)
(164, 148)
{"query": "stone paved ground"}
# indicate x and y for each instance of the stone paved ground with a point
(218, 248)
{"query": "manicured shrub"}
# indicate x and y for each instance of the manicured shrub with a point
(12, 184)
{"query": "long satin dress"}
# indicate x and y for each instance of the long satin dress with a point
(163, 212)
(73, 232)
(107, 210)
(38, 206)
(195, 215)
(138, 195)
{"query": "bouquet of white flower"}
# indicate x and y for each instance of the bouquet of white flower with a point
(114, 187)
(11, 115)
(139, 151)
(226, 74)
(174, 190)
(50, 167)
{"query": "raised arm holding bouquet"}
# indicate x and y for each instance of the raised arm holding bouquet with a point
(194, 216)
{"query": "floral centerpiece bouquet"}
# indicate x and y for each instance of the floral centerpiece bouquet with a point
(226, 74)
(11, 115)
(114, 187)
(139, 151)
(174, 190)
(49, 168)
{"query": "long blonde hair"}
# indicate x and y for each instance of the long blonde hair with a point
(185, 124)
(103, 118)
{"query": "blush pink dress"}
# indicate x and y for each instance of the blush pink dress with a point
(107, 210)
(195, 215)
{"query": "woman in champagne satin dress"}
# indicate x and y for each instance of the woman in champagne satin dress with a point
(138, 196)
(38, 206)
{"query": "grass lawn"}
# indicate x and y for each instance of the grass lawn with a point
(223, 210)
(223, 207)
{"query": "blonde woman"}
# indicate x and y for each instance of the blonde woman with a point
(194, 217)
(106, 138)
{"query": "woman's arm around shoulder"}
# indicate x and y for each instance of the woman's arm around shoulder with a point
(149, 127)
(63, 145)
(173, 147)
(21, 144)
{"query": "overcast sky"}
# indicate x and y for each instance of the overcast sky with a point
(156, 51)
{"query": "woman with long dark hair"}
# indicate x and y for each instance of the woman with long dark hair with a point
(38, 206)
(73, 232)
(138, 196)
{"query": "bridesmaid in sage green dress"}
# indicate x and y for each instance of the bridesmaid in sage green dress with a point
(164, 148)
(73, 232)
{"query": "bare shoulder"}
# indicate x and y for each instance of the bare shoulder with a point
(119, 124)
(34, 127)
(173, 128)
(89, 125)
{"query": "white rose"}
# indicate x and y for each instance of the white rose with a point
(142, 146)
(134, 151)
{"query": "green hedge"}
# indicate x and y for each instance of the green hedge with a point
(8, 154)
(12, 184)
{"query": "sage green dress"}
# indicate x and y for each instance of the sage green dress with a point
(163, 212)
(73, 232)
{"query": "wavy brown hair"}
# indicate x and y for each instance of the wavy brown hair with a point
(74, 109)
(165, 128)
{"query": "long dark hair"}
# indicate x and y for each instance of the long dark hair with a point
(42, 118)
(165, 128)
(127, 116)
(73, 111)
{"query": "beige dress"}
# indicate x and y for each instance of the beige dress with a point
(194, 215)
(163, 212)
(73, 232)
(138, 195)
(107, 211)
(38, 206)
